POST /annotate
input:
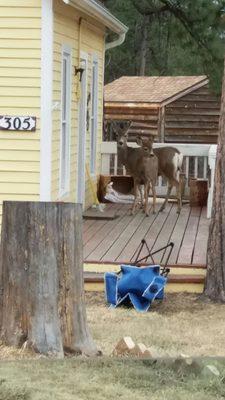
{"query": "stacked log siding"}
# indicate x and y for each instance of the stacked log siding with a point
(193, 118)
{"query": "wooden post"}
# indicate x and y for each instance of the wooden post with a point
(198, 192)
(161, 124)
(41, 278)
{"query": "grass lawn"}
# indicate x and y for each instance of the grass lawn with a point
(102, 379)
(180, 324)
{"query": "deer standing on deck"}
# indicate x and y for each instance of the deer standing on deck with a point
(142, 165)
(146, 174)
(169, 163)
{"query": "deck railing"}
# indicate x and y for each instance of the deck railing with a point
(199, 162)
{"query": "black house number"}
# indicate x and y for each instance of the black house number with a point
(14, 123)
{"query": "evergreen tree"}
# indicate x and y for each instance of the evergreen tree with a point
(169, 37)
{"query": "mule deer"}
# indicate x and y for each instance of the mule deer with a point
(146, 173)
(141, 164)
(169, 163)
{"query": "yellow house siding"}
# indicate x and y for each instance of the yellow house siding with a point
(93, 44)
(66, 31)
(20, 83)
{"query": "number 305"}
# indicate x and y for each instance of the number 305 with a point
(17, 123)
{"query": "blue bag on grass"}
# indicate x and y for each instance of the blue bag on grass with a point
(141, 286)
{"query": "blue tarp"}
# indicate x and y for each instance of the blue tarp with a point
(140, 286)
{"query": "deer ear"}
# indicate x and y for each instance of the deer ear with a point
(151, 138)
(139, 140)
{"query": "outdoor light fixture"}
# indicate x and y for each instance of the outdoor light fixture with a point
(79, 71)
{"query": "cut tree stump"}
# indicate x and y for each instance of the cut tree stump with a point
(41, 278)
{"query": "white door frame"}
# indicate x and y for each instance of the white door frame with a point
(82, 130)
(64, 181)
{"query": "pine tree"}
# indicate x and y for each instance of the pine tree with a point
(169, 37)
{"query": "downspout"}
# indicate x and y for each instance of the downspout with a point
(115, 42)
(79, 56)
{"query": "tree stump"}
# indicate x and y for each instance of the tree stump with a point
(41, 278)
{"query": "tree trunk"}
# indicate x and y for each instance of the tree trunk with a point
(144, 46)
(41, 278)
(215, 279)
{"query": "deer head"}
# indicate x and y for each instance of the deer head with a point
(146, 144)
(122, 133)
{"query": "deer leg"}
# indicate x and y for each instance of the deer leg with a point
(179, 198)
(154, 198)
(141, 193)
(169, 188)
(135, 197)
(146, 207)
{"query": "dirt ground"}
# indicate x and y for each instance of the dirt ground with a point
(180, 324)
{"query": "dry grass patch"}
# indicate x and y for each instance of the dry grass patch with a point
(104, 379)
(182, 323)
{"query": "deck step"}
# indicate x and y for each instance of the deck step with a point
(97, 277)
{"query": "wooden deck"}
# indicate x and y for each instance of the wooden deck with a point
(115, 241)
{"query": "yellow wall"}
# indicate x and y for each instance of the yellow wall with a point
(20, 83)
(66, 31)
(20, 93)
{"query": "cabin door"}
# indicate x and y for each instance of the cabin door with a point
(82, 127)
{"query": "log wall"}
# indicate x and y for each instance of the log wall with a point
(145, 119)
(193, 118)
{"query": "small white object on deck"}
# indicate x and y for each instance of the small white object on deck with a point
(115, 197)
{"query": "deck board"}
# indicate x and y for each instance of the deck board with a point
(118, 246)
(187, 246)
(116, 240)
(152, 234)
(201, 242)
(87, 224)
(178, 233)
(96, 226)
(99, 235)
(140, 233)
(99, 252)
(165, 233)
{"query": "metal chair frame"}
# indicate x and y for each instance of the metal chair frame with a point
(139, 261)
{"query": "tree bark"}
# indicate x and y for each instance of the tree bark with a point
(144, 46)
(41, 278)
(215, 279)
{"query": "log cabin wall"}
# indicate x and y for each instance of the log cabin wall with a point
(194, 118)
(145, 119)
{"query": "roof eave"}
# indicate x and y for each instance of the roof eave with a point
(95, 10)
(177, 96)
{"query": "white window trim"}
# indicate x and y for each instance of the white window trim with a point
(94, 110)
(63, 192)
(46, 100)
(83, 56)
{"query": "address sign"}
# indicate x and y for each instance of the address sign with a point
(14, 123)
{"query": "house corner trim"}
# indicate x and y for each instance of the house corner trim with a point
(46, 99)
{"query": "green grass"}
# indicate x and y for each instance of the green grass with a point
(105, 378)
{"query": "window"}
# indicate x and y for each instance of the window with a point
(65, 122)
(94, 116)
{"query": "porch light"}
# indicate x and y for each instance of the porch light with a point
(79, 71)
